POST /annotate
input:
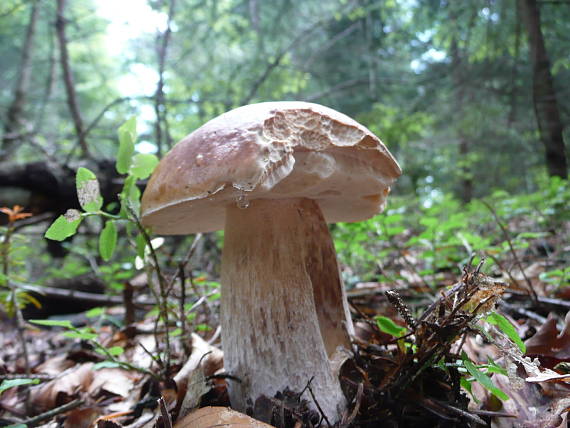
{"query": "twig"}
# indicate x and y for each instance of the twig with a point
(357, 401)
(163, 286)
(511, 248)
(53, 412)
(308, 387)
(166, 421)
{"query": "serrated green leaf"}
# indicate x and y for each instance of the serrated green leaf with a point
(143, 165)
(88, 191)
(386, 325)
(12, 383)
(108, 240)
(127, 137)
(506, 327)
(53, 323)
(483, 379)
(64, 226)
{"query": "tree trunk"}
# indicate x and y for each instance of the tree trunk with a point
(14, 126)
(465, 167)
(68, 79)
(545, 104)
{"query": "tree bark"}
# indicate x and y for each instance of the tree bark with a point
(14, 126)
(160, 99)
(465, 167)
(545, 103)
(68, 79)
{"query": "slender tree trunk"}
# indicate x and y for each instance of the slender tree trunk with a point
(14, 126)
(159, 97)
(545, 104)
(465, 170)
(68, 79)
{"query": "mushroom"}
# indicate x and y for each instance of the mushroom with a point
(272, 175)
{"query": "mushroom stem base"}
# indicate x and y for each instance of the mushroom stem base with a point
(284, 316)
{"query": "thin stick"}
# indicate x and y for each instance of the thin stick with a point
(511, 248)
(53, 412)
(166, 421)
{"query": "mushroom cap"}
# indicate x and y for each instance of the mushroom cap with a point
(272, 150)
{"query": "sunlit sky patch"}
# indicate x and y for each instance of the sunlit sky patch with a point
(129, 19)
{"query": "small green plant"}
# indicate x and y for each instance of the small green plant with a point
(134, 167)
(111, 354)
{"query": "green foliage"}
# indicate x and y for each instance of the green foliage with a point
(89, 335)
(506, 327)
(12, 383)
(108, 240)
(388, 326)
(136, 166)
(88, 191)
(127, 137)
(439, 234)
(64, 226)
(483, 379)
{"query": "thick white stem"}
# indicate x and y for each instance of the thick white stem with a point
(284, 312)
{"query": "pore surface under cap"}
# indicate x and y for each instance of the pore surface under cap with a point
(269, 150)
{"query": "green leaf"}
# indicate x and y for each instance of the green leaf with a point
(203, 327)
(129, 195)
(12, 383)
(143, 165)
(466, 384)
(106, 365)
(108, 240)
(386, 325)
(483, 379)
(506, 327)
(140, 242)
(95, 312)
(83, 335)
(54, 323)
(64, 226)
(127, 137)
(116, 350)
(88, 191)
(175, 332)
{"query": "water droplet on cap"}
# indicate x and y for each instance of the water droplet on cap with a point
(200, 160)
(242, 202)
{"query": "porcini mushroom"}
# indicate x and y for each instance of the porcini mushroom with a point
(272, 175)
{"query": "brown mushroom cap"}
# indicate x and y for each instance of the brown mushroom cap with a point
(269, 150)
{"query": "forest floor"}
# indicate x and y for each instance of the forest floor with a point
(473, 350)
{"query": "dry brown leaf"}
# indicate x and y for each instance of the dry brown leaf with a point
(55, 366)
(549, 342)
(113, 380)
(209, 417)
(204, 361)
(81, 418)
(535, 406)
(61, 389)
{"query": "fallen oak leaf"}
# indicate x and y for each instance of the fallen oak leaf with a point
(550, 345)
